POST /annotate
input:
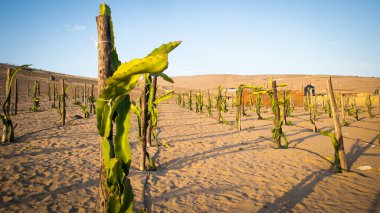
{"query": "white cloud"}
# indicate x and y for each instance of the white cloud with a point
(361, 65)
(78, 27)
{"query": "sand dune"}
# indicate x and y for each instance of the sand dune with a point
(209, 167)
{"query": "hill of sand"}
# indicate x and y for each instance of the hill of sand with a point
(209, 167)
(294, 82)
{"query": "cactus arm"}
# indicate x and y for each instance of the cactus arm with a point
(164, 97)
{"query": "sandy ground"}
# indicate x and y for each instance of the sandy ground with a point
(209, 167)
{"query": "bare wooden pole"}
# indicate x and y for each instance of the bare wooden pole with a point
(338, 130)
(16, 96)
(342, 108)
(284, 108)
(149, 130)
(144, 123)
(92, 95)
(239, 108)
(54, 94)
(8, 106)
(85, 94)
(63, 103)
(104, 71)
(218, 99)
(276, 111)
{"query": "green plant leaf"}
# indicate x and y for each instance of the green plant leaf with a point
(121, 143)
(164, 97)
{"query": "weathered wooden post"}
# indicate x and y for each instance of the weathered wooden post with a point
(276, 112)
(190, 102)
(39, 88)
(54, 94)
(8, 106)
(48, 92)
(16, 96)
(338, 130)
(239, 107)
(144, 122)
(218, 100)
(104, 71)
(84, 94)
(284, 108)
(92, 96)
(63, 103)
(312, 111)
(342, 108)
(153, 97)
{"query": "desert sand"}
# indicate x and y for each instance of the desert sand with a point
(209, 167)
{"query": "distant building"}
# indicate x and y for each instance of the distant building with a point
(307, 88)
(52, 78)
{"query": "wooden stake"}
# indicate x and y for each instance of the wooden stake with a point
(342, 108)
(150, 124)
(84, 94)
(63, 103)
(338, 130)
(92, 95)
(277, 111)
(8, 106)
(284, 108)
(218, 99)
(239, 108)
(16, 96)
(104, 71)
(144, 123)
(54, 94)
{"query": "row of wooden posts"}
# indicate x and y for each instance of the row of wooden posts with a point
(37, 95)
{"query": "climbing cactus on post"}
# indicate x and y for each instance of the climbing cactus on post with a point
(36, 99)
(277, 132)
(335, 144)
(190, 101)
(114, 105)
(368, 103)
(8, 127)
(209, 104)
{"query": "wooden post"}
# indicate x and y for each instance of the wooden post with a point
(276, 111)
(63, 103)
(218, 99)
(54, 94)
(38, 88)
(104, 71)
(338, 130)
(84, 94)
(49, 90)
(150, 123)
(284, 108)
(144, 123)
(28, 89)
(312, 115)
(16, 96)
(342, 108)
(92, 95)
(8, 106)
(239, 108)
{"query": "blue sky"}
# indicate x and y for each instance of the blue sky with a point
(340, 37)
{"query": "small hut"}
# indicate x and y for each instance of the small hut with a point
(307, 88)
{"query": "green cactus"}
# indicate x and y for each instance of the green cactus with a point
(60, 109)
(354, 110)
(84, 108)
(368, 103)
(114, 104)
(91, 100)
(190, 101)
(169, 94)
(335, 144)
(209, 104)
(8, 127)
(36, 99)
